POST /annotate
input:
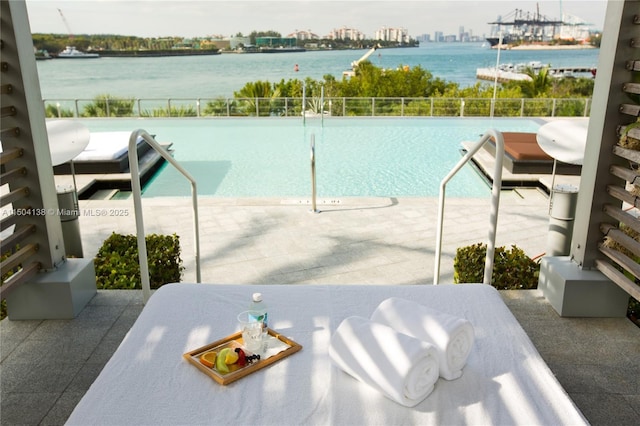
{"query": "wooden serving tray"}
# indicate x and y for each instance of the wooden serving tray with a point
(235, 340)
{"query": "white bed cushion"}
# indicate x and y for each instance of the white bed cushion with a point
(105, 146)
(505, 381)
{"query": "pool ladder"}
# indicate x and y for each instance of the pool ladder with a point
(495, 202)
(137, 205)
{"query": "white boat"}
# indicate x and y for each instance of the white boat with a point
(70, 52)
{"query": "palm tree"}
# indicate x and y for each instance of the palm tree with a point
(255, 91)
(539, 85)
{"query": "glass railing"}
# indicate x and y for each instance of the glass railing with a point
(338, 107)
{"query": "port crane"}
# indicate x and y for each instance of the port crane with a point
(354, 64)
(66, 24)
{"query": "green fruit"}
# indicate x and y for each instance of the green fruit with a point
(221, 366)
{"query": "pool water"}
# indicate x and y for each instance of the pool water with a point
(355, 157)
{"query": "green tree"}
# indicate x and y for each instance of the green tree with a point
(257, 97)
(539, 85)
(107, 106)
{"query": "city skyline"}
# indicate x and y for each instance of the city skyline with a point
(157, 18)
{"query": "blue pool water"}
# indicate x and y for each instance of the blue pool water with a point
(264, 157)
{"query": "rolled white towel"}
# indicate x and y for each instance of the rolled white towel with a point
(402, 368)
(452, 336)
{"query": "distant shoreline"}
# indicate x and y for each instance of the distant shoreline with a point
(154, 53)
(547, 47)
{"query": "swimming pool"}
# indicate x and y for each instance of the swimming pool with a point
(355, 157)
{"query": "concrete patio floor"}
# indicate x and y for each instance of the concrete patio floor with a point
(47, 366)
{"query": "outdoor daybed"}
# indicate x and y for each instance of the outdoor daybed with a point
(523, 155)
(147, 380)
(107, 152)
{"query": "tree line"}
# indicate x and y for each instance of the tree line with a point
(54, 43)
(371, 81)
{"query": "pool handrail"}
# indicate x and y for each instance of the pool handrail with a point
(495, 202)
(313, 174)
(136, 192)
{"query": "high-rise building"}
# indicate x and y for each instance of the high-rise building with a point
(303, 35)
(345, 33)
(400, 35)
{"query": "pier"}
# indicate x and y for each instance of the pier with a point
(506, 75)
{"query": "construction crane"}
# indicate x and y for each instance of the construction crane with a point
(354, 64)
(66, 24)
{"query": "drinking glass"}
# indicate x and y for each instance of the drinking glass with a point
(251, 328)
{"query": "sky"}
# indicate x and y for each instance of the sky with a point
(186, 18)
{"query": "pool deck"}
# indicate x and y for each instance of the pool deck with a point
(47, 366)
(351, 240)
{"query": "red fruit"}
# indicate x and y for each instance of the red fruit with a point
(242, 358)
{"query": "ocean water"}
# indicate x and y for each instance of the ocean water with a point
(221, 75)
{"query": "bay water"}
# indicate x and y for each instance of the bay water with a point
(221, 75)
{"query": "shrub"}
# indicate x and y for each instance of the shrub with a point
(174, 111)
(55, 111)
(117, 264)
(512, 269)
(107, 106)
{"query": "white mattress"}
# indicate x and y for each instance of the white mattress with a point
(147, 381)
(105, 146)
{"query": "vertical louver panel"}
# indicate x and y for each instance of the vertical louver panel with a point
(31, 239)
(621, 243)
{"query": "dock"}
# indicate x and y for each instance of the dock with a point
(504, 76)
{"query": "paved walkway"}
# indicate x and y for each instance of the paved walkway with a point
(351, 240)
(47, 366)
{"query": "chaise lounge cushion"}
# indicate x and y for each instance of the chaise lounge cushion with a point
(523, 155)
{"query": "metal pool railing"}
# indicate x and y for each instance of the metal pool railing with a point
(495, 202)
(136, 191)
(318, 106)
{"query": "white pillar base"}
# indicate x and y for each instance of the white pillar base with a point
(574, 292)
(60, 294)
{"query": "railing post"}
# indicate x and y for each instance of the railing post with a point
(586, 107)
(228, 108)
(322, 105)
(198, 107)
(402, 107)
(553, 108)
(313, 174)
(344, 106)
(106, 102)
(304, 103)
(462, 107)
(522, 107)
(77, 111)
(431, 112)
(257, 107)
(373, 107)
